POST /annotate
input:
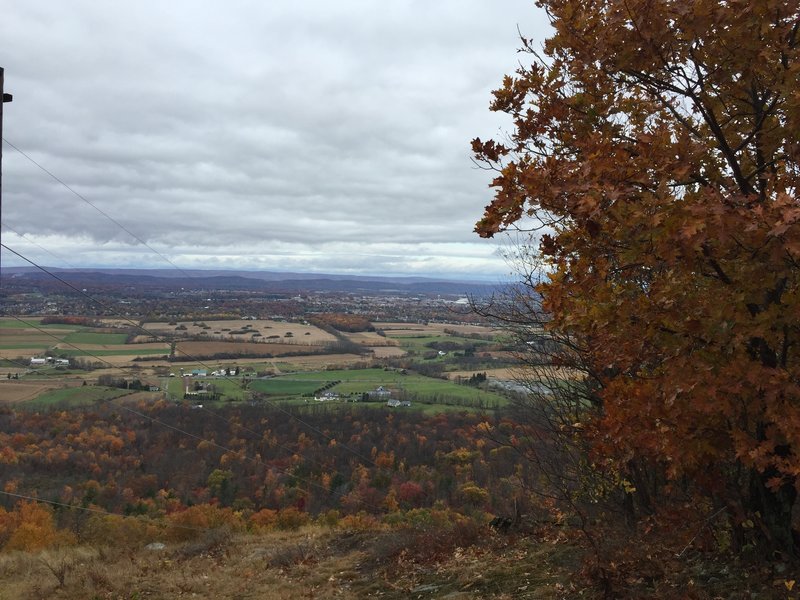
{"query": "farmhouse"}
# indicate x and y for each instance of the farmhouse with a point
(38, 361)
(395, 403)
(380, 392)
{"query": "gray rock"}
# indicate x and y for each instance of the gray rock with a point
(424, 588)
(155, 546)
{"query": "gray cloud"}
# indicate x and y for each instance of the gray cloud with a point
(314, 135)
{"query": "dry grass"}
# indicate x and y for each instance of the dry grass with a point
(115, 323)
(514, 373)
(323, 361)
(273, 566)
(123, 360)
(312, 562)
(387, 352)
(25, 353)
(11, 337)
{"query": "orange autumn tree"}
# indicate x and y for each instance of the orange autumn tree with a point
(656, 146)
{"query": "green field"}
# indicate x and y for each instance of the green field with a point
(365, 375)
(26, 345)
(230, 388)
(132, 351)
(6, 323)
(76, 396)
(359, 381)
(174, 387)
(418, 344)
(89, 337)
(287, 386)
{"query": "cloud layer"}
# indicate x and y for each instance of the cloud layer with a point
(321, 136)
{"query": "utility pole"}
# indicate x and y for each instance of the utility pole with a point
(6, 98)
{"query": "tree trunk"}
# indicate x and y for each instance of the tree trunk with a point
(775, 510)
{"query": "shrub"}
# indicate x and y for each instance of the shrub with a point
(359, 522)
(330, 518)
(291, 518)
(266, 518)
(114, 530)
(195, 520)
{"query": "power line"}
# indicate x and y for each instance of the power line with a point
(27, 239)
(98, 209)
(99, 511)
(188, 356)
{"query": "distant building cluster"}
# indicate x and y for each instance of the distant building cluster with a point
(38, 361)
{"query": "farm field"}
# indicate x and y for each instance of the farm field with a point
(387, 351)
(359, 381)
(282, 364)
(505, 374)
(369, 338)
(230, 388)
(131, 351)
(12, 390)
(426, 392)
(400, 328)
(302, 369)
(26, 322)
(320, 361)
(76, 396)
(284, 386)
(88, 337)
(189, 349)
(267, 330)
(19, 340)
(418, 343)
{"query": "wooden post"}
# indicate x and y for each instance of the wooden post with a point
(6, 98)
(3, 97)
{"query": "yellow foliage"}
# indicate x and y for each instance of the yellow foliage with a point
(473, 494)
(30, 527)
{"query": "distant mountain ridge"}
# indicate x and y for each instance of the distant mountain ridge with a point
(267, 281)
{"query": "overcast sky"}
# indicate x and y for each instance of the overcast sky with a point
(294, 136)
